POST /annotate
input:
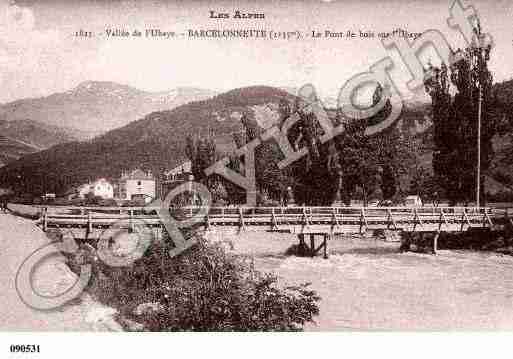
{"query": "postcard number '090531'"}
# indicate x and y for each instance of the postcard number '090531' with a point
(30, 348)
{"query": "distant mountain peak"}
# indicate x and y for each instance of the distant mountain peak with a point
(103, 88)
(95, 107)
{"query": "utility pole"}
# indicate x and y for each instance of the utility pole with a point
(481, 46)
(478, 185)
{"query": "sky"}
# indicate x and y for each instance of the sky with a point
(40, 55)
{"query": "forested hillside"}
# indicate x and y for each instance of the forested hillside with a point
(373, 168)
(155, 142)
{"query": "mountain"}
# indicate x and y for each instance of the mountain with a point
(154, 142)
(94, 107)
(157, 140)
(21, 137)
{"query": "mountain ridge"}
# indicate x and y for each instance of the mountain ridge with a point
(95, 107)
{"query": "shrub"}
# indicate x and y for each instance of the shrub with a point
(78, 202)
(22, 199)
(202, 289)
(136, 202)
(62, 202)
(502, 196)
(92, 200)
(109, 202)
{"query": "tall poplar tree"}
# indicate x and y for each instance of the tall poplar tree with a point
(455, 119)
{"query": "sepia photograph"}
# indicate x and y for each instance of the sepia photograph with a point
(255, 166)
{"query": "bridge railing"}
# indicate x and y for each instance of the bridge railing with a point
(120, 213)
(405, 218)
(71, 210)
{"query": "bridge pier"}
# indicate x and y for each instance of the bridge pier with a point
(312, 249)
(325, 246)
(406, 241)
(435, 242)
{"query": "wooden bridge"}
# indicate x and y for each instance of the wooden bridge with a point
(93, 222)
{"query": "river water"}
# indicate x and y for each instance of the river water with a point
(369, 285)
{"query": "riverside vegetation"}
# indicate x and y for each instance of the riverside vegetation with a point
(203, 289)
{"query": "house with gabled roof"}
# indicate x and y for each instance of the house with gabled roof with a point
(137, 185)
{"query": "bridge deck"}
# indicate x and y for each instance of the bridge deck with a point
(328, 220)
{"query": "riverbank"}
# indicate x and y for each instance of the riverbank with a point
(19, 238)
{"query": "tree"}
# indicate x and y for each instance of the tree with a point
(393, 149)
(316, 174)
(271, 181)
(455, 119)
(424, 184)
(359, 162)
(202, 154)
(369, 164)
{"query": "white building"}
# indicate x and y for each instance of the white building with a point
(137, 185)
(99, 188)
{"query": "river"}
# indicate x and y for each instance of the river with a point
(369, 285)
(364, 284)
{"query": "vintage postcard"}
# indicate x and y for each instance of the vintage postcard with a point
(212, 166)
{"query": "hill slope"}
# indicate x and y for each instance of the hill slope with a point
(36, 134)
(154, 142)
(22, 137)
(11, 150)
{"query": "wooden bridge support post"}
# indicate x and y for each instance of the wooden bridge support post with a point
(45, 219)
(130, 223)
(157, 233)
(242, 224)
(89, 223)
(325, 245)
(311, 249)
(435, 242)
(405, 241)
(302, 245)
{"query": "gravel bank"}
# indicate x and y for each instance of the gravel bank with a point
(19, 238)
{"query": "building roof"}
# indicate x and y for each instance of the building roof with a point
(185, 167)
(137, 174)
